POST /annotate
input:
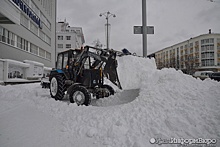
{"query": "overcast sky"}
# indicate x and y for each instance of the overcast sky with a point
(174, 21)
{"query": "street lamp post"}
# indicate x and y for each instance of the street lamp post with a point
(107, 16)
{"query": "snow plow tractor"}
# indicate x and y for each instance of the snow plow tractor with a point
(80, 74)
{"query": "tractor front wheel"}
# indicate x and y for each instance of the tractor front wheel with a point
(80, 95)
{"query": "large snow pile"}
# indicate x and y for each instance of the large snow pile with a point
(167, 104)
(132, 71)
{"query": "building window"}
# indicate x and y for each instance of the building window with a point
(209, 62)
(211, 47)
(68, 37)
(48, 55)
(202, 41)
(34, 8)
(207, 41)
(68, 45)
(25, 45)
(60, 37)
(42, 35)
(60, 45)
(33, 28)
(203, 48)
(45, 21)
(34, 49)
(42, 52)
(19, 42)
(26, 1)
(7, 36)
(1, 33)
(209, 55)
(24, 21)
(22, 43)
(218, 44)
(47, 39)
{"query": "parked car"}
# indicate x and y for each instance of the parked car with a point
(215, 76)
(202, 74)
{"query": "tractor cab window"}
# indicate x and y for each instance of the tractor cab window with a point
(73, 56)
(59, 61)
(65, 60)
(87, 65)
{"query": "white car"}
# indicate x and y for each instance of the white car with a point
(202, 74)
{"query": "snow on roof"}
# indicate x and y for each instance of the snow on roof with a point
(18, 63)
(34, 62)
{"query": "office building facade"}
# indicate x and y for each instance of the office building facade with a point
(68, 37)
(198, 53)
(27, 30)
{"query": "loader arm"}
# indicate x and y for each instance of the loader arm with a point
(110, 70)
(106, 58)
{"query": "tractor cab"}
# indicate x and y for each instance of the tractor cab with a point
(66, 61)
(79, 70)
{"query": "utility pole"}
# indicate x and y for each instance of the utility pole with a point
(144, 27)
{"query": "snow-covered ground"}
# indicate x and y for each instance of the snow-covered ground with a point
(154, 105)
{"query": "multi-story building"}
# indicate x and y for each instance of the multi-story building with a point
(27, 30)
(198, 53)
(68, 37)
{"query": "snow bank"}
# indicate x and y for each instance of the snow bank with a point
(169, 104)
(132, 71)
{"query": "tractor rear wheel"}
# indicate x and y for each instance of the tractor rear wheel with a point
(80, 95)
(57, 87)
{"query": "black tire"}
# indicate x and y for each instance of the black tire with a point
(109, 88)
(108, 91)
(57, 87)
(80, 95)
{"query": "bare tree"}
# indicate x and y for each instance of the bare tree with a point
(190, 64)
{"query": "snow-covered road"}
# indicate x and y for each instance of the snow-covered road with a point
(159, 104)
